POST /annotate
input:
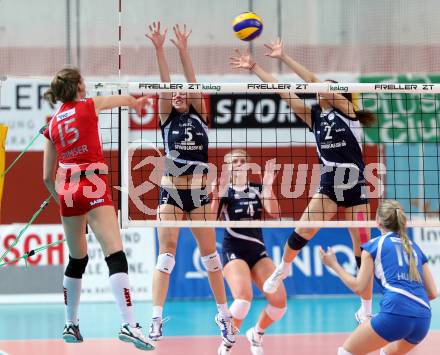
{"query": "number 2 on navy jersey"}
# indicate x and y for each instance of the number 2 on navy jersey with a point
(65, 126)
(328, 130)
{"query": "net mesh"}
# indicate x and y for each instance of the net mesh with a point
(400, 153)
(339, 36)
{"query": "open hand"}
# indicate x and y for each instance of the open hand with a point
(181, 41)
(155, 35)
(276, 48)
(242, 60)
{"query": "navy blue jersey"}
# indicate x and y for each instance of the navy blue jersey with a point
(243, 205)
(185, 137)
(338, 141)
(391, 270)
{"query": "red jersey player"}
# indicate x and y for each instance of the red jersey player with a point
(73, 138)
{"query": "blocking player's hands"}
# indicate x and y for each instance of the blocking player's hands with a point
(329, 257)
(276, 48)
(269, 173)
(155, 35)
(242, 60)
(181, 40)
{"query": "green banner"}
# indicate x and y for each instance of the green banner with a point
(403, 118)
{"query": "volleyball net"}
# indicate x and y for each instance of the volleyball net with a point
(401, 151)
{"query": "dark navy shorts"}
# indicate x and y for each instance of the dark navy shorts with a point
(355, 196)
(187, 200)
(394, 327)
(249, 252)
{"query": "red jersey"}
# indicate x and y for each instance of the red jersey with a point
(74, 131)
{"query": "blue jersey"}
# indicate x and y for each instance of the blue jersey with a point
(338, 142)
(391, 269)
(185, 137)
(243, 205)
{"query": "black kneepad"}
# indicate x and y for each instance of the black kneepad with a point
(76, 267)
(117, 262)
(296, 242)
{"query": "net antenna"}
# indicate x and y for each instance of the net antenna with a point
(140, 142)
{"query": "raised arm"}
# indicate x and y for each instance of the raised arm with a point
(181, 42)
(158, 39)
(276, 51)
(336, 100)
(109, 102)
(245, 61)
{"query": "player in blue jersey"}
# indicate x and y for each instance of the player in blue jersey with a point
(245, 258)
(183, 121)
(402, 270)
(337, 129)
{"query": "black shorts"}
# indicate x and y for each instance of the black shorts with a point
(187, 200)
(355, 196)
(250, 252)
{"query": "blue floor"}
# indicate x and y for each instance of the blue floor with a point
(101, 320)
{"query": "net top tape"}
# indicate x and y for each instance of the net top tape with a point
(212, 88)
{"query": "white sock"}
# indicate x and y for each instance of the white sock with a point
(366, 306)
(121, 291)
(224, 310)
(72, 294)
(157, 312)
(284, 267)
(258, 329)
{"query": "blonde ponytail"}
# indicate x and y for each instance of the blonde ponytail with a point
(414, 274)
(393, 218)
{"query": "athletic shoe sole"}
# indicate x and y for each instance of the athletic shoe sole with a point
(158, 338)
(69, 338)
(136, 342)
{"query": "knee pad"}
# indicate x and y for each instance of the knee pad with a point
(275, 313)
(76, 267)
(240, 308)
(117, 262)
(342, 351)
(212, 262)
(165, 262)
(296, 242)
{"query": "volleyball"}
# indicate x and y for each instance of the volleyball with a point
(248, 26)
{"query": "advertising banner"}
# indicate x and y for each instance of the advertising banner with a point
(42, 280)
(404, 118)
(428, 239)
(308, 274)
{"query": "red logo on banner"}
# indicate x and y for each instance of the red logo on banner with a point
(149, 119)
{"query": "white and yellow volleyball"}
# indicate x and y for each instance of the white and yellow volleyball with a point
(248, 26)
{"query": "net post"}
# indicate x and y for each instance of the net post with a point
(124, 151)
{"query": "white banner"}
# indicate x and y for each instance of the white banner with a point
(428, 239)
(139, 246)
(24, 111)
(41, 281)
